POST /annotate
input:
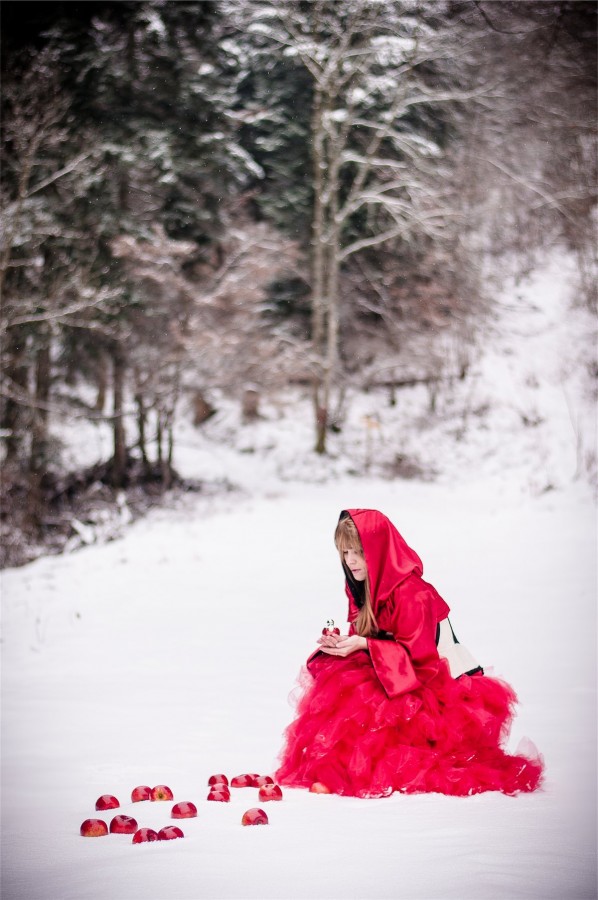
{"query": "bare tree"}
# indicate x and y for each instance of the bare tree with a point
(375, 161)
(42, 281)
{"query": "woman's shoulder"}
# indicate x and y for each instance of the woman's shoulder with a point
(419, 593)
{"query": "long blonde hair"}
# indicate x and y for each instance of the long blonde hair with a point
(346, 537)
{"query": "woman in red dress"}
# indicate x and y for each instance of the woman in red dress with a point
(381, 709)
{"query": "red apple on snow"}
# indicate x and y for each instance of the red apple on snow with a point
(107, 801)
(141, 792)
(145, 834)
(270, 792)
(169, 833)
(162, 792)
(123, 825)
(244, 780)
(93, 828)
(319, 788)
(219, 789)
(219, 795)
(218, 779)
(254, 816)
(184, 810)
(263, 779)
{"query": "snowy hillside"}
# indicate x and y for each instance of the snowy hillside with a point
(525, 416)
(169, 654)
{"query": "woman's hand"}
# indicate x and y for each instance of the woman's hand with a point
(343, 644)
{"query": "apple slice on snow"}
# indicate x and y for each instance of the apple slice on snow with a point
(219, 795)
(184, 810)
(319, 788)
(244, 781)
(269, 792)
(254, 816)
(145, 834)
(170, 833)
(263, 779)
(123, 825)
(107, 801)
(93, 828)
(162, 792)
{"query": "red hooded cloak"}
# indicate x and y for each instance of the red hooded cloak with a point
(407, 609)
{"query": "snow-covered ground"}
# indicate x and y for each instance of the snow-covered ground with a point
(169, 654)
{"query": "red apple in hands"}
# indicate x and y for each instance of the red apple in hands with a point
(254, 816)
(184, 810)
(269, 792)
(263, 779)
(145, 834)
(217, 779)
(169, 833)
(107, 801)
(123, 825)
(162, 792)
(93, 828)
(244, 781)
(330, 628)
(319, 788)
(141, 792)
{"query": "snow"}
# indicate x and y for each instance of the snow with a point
(169, 655)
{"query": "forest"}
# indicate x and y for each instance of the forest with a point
(232, 197)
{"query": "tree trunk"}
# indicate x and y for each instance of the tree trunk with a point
(16, 374)
(170, 452)
(102, 383)
(159, 436)
(202, 410)
(141, 423)
(250, 405)
(317, 242)
(331, 246)
(38, 455)
(119, 460)
(38, 458)
(318, 265)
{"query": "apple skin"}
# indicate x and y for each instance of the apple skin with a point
(123, 825)
(261, 780)
(169, 833)
(93, 828)
(141, 792)
(162, 792)
(244, 781)
(319, 788)
(145, 834)
(269, 792)
(107, 801)
(217, 779)
(219, 795)
(184, 810)
(254, 816)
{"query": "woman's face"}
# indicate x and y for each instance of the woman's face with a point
(356, 563)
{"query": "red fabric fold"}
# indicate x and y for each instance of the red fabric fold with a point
(445, 737)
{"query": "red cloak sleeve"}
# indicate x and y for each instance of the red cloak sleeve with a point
(410, 659)
(411, 616)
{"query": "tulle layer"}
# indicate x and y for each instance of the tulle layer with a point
(444, 737)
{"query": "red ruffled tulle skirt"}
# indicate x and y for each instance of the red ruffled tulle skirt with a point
(444, 737)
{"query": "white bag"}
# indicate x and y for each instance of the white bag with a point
(460, 660)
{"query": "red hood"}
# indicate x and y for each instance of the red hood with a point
(388, 557)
